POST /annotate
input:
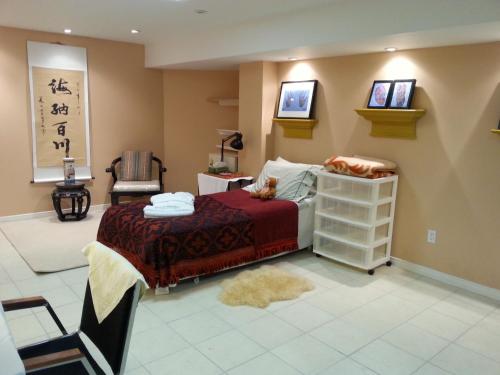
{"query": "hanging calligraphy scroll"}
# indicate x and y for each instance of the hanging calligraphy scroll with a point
(59, 106)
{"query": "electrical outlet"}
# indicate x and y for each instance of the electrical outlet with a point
(431, 236)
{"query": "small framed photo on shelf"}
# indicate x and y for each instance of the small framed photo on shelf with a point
(297, 99)
(380, 94)
(402, 93)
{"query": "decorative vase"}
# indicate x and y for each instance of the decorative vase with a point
(69, 170)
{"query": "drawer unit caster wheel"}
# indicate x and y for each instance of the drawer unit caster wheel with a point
(318, 255)
(388, 263)
(371, 272)
(196, 280)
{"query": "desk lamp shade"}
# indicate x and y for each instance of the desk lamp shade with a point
(236, 143)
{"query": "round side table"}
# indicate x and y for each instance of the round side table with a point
(76, 192)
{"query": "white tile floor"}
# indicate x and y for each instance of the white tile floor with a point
(393, 322)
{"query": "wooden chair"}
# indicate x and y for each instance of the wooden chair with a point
(67, 354)
(135, 188)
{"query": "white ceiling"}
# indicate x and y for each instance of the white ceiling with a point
(235, 31)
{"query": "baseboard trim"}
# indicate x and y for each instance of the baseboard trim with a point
(34, 215)
(448, 279)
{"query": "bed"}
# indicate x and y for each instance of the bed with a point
(227, 230)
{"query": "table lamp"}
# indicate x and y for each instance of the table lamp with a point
(236, 143)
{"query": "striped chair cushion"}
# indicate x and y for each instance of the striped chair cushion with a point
(136, 166)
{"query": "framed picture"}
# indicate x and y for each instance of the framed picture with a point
(402, 93)
(297, 99)
(380, 94)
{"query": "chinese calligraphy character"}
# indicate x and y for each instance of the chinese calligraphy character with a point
(59, 109)
(61, 127)
(54, 86)
(62, 144)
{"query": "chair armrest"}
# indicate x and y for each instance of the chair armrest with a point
(23, 303)
(112, 169)
(30, 302)
(161, 170)
(52, 359)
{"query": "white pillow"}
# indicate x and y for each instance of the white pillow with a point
(316, 167)
(279, 159)
(294, 181)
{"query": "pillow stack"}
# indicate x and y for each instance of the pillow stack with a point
(294, 179)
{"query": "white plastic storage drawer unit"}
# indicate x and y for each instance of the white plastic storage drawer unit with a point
(354, 219)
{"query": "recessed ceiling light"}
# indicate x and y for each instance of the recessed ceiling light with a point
(67, 31)
(390, 49)
(135, 31)
(201, 11)
(292, 58)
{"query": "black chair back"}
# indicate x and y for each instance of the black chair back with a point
(112, 336)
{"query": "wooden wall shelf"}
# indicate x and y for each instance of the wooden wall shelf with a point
(395, 123)
(296, 128)
(496, 131)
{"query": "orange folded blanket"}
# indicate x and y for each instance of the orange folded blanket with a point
(360, 166)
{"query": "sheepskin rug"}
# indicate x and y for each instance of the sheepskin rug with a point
(262, 286)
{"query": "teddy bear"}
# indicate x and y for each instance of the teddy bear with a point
(268, 191)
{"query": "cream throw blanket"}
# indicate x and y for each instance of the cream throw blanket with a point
(110, 276)
(360, 166)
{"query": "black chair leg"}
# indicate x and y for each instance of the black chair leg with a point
(114, 199)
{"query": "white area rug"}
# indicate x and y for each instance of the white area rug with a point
(49, 245)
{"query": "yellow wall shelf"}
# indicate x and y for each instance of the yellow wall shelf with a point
(497, 131)
(395, 123)
(296, 128)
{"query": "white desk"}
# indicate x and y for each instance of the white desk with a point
(209, 184)
(10, 362)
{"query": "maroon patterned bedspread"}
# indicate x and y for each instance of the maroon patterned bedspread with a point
(227, 229)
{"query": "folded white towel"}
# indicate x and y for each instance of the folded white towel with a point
(170, 204)
(168, 197)
(174, 205)
(159, 212)
(161, 197)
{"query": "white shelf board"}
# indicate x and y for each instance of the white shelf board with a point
(225, 102)
(227, 132)
(359, 180)
(350, 221)
(358, 202)
(227, 148)
(383, 221)
(352, 243)
(342, 240)
(332, 255)
(345, 220)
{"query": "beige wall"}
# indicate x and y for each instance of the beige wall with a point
(190, 122)
(258, 91)
(449, 175)
(126, 107)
